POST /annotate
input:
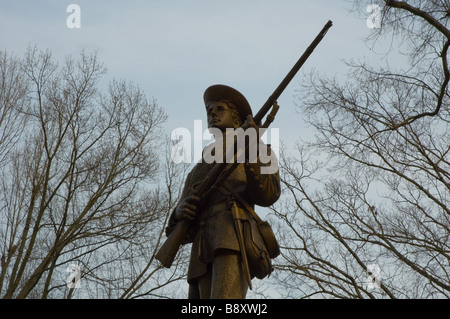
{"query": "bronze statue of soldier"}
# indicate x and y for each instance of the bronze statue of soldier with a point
(227, 247)
(230, 243)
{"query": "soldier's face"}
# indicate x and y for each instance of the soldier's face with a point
(220, 116)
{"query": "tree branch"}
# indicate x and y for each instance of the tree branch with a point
(417, 12)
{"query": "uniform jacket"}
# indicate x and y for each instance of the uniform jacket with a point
(214, 229)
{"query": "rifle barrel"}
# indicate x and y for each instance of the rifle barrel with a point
(276, 94)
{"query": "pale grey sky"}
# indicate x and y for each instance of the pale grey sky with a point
(175, 49)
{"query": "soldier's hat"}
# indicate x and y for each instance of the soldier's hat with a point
(220, 92)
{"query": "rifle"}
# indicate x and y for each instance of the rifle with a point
(221, 171)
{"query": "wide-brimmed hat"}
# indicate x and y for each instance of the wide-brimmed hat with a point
(219, 92)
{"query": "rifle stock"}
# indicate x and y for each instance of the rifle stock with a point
(167, 252)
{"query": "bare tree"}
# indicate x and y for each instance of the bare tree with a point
(13, 98)
(368, 200)
(78, 182)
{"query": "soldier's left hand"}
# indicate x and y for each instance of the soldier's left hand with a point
(250, 122)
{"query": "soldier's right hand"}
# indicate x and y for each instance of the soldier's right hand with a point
(187, 209)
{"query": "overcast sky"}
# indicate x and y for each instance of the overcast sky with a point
(175, 49)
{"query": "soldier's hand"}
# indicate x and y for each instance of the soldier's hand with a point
(250, 122)
(187, 209)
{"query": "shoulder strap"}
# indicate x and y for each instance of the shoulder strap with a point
(244, 203)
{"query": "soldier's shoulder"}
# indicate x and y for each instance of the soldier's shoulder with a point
(200, 169)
